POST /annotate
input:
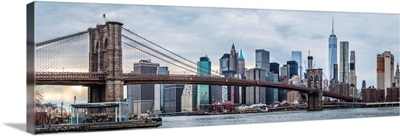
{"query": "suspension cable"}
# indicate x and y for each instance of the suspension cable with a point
(158, 57)
(167, 50)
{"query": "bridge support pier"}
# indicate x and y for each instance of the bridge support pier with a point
(314, 101)
(114, 91)
(96, 93)
(314, 80)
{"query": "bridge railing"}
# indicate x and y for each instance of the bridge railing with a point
(141, 77)
(70, 76)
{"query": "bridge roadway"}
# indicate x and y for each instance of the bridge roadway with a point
(87, 78)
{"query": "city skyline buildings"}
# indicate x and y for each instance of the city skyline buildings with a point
(297, 56)
(353, 76)
(397, 76)
(273, 37)
(332, 52)
(344, 62)
(203, 91)
(233, 59)
(139, 101)
(159, 90)
(262, 59)
(293, 68)
(385, 70)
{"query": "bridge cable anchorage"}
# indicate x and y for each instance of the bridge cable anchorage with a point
(143, 45)
(60, 38)
(158, 57)
(168, 50)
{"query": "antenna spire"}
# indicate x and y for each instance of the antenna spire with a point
(333, 26)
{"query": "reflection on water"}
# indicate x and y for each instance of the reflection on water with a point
(231, 119)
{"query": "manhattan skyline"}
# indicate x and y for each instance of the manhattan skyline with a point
(207, 29)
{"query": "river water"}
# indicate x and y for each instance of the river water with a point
(282, 116)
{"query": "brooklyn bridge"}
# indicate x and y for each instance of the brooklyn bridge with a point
(101, 59)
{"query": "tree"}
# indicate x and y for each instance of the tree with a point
(39, 98)
(49, 107)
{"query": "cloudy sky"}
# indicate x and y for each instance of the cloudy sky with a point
(195, 32)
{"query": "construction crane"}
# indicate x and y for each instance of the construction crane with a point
(201, 101)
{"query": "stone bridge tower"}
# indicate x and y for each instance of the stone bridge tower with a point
(105, 56)
(314, 100)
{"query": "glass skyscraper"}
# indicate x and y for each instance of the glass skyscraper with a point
(203, 69)
(272, 93)
(224, 63)
(296, 56)
(332, 53)
(262, 59)
(274, 68)
(293, 68)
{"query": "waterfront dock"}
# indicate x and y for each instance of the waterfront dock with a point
(54, 128)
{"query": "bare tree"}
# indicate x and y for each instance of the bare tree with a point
(49, 107)
(39, 98)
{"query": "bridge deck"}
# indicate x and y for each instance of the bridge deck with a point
(82, 78)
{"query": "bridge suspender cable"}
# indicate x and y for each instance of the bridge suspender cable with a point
(180, 62)
(166, 49)
(158, 57)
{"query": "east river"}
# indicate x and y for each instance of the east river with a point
(281, 116)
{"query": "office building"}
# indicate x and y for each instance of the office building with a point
(172, 98)
(233, 60)
(335, 80)
(332, 52)
(353, 76)
(215, 93)
(344, 62)
(224, 63)
(141, 97)
(293, 97)
(274, 67)
(272, 93)
(397, 77)
(385, 70)
(296, 56)
(159, 91)
(241, 65)
(255, 95)
(293, 68)
(284, 76)
(203, 91)
(262, 59)
(189, 98)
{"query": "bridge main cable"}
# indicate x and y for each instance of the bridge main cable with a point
(192, 67)
(158, 57)
(166, 49)
(61, 38)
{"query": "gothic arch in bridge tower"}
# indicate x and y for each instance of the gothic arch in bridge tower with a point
(314, 99)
